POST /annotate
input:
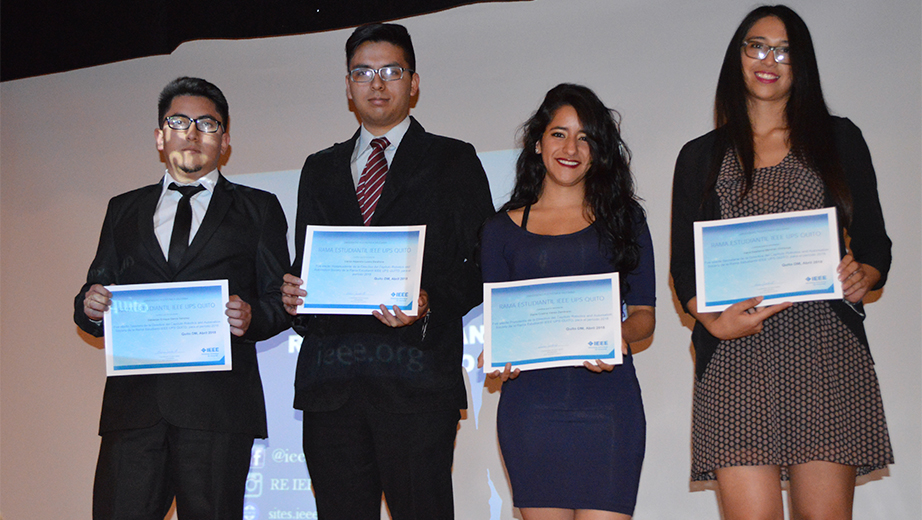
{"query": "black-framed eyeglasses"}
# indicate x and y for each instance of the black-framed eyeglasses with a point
(207, 124)
(758, 51)
(367, 75)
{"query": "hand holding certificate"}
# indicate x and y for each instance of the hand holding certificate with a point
(354, 270)
(785, 257)
(552, 322)
(167, 328)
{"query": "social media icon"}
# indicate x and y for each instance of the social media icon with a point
(254, 486)
(258, 456)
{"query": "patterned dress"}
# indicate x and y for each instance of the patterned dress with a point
(804, 389)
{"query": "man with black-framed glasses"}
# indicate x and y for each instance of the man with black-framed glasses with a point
(381, 394)
(187, 435)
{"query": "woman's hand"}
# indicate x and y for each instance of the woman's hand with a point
(505, 375)
(638, 326)
(857, 278)
(738, 320)
(600, 366)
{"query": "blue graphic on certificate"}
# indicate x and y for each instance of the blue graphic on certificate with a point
(552, 322)
(163, 328)
(785, 257)
(355, 269)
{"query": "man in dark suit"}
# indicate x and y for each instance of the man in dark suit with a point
(381, 394)
(187, 435)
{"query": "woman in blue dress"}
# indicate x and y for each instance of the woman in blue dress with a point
(573, 438)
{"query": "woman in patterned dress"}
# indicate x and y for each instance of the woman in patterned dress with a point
(787, 391)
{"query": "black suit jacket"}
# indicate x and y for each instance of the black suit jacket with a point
(241, 239)
(432, 180)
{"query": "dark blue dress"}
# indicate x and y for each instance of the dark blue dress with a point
(570, 438)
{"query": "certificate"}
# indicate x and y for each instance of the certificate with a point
(785, 257)
(161, 328)
(353, 270)
(552, 322)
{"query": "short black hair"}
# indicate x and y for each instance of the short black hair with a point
(186, 86)
(392, 33)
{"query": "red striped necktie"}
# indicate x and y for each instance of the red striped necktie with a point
(372, 180)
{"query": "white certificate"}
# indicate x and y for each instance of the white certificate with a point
(161, 328)
(552, 322)
(355, 269)
(785, 257)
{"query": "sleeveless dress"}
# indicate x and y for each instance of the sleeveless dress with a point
(570, 438)
(804, 389)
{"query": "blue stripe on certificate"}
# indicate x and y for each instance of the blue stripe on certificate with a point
(173, 365)
(830, 290)
(366, 307)
(579, 358)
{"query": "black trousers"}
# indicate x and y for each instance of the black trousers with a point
(140, 471)
(357, 452)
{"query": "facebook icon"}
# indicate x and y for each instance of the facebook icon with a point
(258, 456)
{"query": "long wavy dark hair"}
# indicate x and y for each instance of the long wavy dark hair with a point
(808, 118)
(609, 184)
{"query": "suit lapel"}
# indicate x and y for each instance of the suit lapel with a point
(220, 202)
(147, 205)
(403, 167)
(337, 185)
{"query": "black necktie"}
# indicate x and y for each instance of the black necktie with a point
(179, 241)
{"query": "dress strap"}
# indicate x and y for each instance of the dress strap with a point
(525, 216)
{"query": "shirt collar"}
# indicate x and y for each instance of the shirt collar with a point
(209, 181)
(394, 136)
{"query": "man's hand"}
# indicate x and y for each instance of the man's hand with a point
(292, 293)
(398, 318)
(239, 315)
(96, 302)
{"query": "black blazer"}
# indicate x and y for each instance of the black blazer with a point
(690, 202)
(432, 180)
(242, 239)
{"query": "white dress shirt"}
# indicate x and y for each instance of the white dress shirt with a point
(363, 148)
(169, 200)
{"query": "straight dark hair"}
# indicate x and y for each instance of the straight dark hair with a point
(186, 86)
(609, 184)
(392, 33)
(810, 124)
